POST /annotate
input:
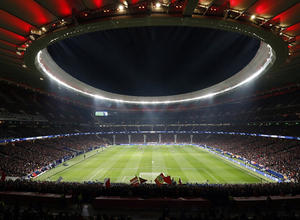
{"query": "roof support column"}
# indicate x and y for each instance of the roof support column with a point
(189, 7)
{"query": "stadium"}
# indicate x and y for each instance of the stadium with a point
(149, 109)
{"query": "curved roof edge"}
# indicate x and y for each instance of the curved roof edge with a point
(272, 53)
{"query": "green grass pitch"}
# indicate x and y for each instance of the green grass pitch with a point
(122, 162)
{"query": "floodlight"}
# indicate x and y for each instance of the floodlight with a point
(36, 32)
(21, 48)
(32, 37)
(19, 53)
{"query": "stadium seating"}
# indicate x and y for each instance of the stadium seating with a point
(25, 113)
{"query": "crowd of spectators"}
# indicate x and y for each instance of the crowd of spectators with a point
(37, 212)
(217, 194)
(30, 106)
(34, 114)
(213, 192)
(280, 155)
(20, 159)
(274, 129)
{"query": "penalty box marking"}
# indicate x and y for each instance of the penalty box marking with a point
(127, 176)
(109, 169)
(149, 175)
(153, 175)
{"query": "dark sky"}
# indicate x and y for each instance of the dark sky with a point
(154, 61)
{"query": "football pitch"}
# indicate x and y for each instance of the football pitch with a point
(121, 163)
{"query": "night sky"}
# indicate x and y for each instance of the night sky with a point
(154, 61)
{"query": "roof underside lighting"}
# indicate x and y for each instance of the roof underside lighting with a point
(19, 53)
(260, 64)
(32, 37)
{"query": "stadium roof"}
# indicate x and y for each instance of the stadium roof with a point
(33, 25)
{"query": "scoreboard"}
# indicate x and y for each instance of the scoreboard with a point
(101, 113)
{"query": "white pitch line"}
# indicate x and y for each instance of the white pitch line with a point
(236, 166)
(115, 168)
(125, 177)
(95, 174)
(210, 175)
(71, 166)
